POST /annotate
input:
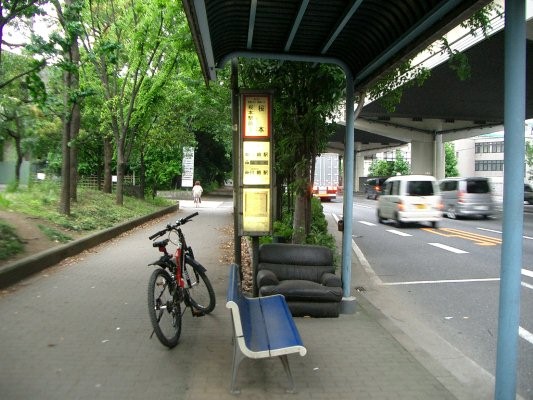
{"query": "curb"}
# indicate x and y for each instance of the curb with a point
(20, 269)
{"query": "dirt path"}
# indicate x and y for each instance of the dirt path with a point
(27, 228)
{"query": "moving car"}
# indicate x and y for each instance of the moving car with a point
(410, 198)
(464, 197)
(373, 187)
(528, 193)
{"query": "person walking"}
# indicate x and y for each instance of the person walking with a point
(197, 191)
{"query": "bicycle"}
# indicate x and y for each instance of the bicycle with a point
(179, 279)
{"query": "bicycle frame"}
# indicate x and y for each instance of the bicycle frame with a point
(176, 265)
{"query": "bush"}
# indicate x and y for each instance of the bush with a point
(319, 234)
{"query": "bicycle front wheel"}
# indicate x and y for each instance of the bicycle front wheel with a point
(198, 286)
(164, 308)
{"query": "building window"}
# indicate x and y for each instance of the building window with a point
(489, 147)
(497, 147)
(489, 165)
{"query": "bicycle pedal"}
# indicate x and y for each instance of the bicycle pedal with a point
(196, 313)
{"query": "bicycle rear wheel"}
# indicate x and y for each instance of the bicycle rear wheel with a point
(164, 308)
(201, 293)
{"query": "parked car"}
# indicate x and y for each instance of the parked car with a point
(373, 187)
(464, 197)
(528, 193)
(410, 198)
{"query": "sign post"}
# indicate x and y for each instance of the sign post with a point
(187, 167)
(256, 177)
(256, 163)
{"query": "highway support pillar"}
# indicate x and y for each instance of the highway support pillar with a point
(513, 196)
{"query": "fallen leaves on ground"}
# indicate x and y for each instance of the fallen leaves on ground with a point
(227, 257)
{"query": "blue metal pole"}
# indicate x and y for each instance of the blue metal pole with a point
(349, 155)
(513, 196)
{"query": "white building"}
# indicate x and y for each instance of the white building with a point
(484, 155)
(477, 156)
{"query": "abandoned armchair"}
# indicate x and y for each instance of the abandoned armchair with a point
(304, 274)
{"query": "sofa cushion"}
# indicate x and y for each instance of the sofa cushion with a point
(299, 272)
(297, 290)
(295, 254)
(266, 277)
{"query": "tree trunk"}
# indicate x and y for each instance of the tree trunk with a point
(19, 159)
(301, 200)
(108, 156)
(121, 166)
(75, 121)
(64, 201)
(142, 177)
(18, 146)
(298, 234)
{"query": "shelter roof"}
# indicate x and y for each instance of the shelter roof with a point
(365, 37)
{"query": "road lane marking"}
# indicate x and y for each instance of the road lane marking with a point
(448, 248)
(441, 281)
(527, 285)
(526, 335)
(480, 240)
(367, 223)
(490, 230)
(500, 232)
(527, 272)
(399, 233)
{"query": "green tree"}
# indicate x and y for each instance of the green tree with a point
(381, 168)
(134, 49)
(450, 160)
(305, 97)
(14, 12)
(17, 111)
(211, 162)
(529, 159)
(400, 165)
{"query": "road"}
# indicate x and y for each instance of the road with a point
(448, 279)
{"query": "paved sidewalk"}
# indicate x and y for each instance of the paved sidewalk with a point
(80, 330)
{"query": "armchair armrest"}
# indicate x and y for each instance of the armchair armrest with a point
(265, 277)
(329, 279)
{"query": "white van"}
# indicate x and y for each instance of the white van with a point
(410, 198)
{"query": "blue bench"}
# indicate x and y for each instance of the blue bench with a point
(263, 327)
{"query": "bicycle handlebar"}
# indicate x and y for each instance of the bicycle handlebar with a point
(170, 227)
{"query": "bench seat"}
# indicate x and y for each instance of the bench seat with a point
(263, 327)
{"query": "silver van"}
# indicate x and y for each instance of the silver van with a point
(462, 197)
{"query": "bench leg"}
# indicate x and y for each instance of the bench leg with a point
(287, 368)
(237, 358)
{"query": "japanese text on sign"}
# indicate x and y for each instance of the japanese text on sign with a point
(256, 163)
(256, 116)
(187, 167)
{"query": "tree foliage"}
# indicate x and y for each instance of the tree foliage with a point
(14, 13)
(305, 98)
(383, 168)
(450, 163)
(380, 168)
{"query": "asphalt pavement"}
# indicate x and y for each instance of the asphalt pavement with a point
(80, 330)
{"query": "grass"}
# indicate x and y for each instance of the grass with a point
(54, 235)
(10, 244)
(93, 211)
